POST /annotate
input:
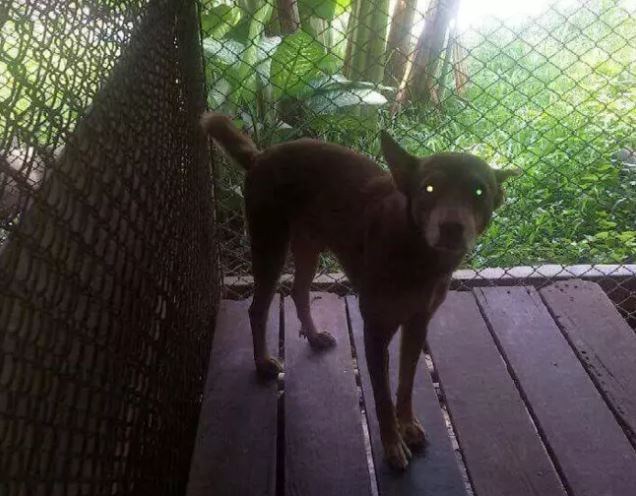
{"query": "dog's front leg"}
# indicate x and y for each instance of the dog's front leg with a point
(411, 347)
(376, 341)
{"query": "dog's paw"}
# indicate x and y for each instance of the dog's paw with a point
(321, 340)
(413, 434)
(269, 368)
(397, 454)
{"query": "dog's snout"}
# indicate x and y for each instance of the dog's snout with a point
(452, 233)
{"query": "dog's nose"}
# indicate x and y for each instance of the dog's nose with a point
(451, 233)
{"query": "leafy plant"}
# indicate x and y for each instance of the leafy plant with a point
(218, 20)
(297, 61)
(247, 78)
(323, 9)
(559, 107)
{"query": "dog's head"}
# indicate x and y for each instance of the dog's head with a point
(451, 195)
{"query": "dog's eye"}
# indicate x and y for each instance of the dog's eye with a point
(479, 192)
(429, 188)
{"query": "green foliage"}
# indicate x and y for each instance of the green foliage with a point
(53, 68)
(555, 96)
(337, 99)
(559, 108)
(248, 78)
(343, 106)
(323, 9)
(297, 61)
(217, 21)
(233, 66)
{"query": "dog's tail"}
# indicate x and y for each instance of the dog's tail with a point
(237, 145)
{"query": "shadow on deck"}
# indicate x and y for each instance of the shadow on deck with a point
(524, 392)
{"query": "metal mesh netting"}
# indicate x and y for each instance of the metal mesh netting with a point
(107, 257)
(548, 87)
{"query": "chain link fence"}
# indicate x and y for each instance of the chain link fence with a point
(110, 212)
(548, 87)
(107, 251)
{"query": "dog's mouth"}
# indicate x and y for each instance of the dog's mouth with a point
(450, 231)
(449, 237)
(451, 247)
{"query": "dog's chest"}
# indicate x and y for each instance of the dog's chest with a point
(396, 304)
(422, 300)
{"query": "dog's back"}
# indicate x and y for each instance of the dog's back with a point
(318, 190)
(306, 171)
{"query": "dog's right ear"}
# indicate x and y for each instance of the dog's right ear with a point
(402, 164)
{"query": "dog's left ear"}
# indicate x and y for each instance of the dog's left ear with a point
(402, 164)
(501, 175)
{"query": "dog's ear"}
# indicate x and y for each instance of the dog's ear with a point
(401, 163)
(502, 174)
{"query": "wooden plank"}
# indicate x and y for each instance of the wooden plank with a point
(434, 473)
(235, 451)
(603, 341)
(503, 453)
(324, 444)
(592, 451)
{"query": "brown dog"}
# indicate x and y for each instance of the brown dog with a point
(397, 238)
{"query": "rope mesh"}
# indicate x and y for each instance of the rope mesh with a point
(107, 255)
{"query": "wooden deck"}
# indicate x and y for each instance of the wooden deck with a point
(524, 392)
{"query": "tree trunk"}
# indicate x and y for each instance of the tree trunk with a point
(289, 20)
(360, 40)
(352, 31)
(288, 16)
(399, 44)
(460, 54)
(419, 80)
(442, 79)
(376, 46)
(368, 24)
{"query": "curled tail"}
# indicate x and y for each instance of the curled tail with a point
(236, 144)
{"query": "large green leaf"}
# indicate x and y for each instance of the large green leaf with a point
(297, 61)
(223, 53)
(336, 100)
(339, 82)
(234, 65)
(217, 21)
(324, 9)
(264, 53)
(222, 70)
(222, 62)
(247, 67)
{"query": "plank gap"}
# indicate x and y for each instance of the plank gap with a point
(324, 440)
(448, 421)
(363, 410)
(435, 471)
(502, 451)
(280, 405)
(238, 421)
(583, 345)
(531, 413)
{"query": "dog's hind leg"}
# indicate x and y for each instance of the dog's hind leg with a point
(269, 247)
(306, 254)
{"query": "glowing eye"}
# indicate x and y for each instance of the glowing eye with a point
(429, 188)
(479, 192)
